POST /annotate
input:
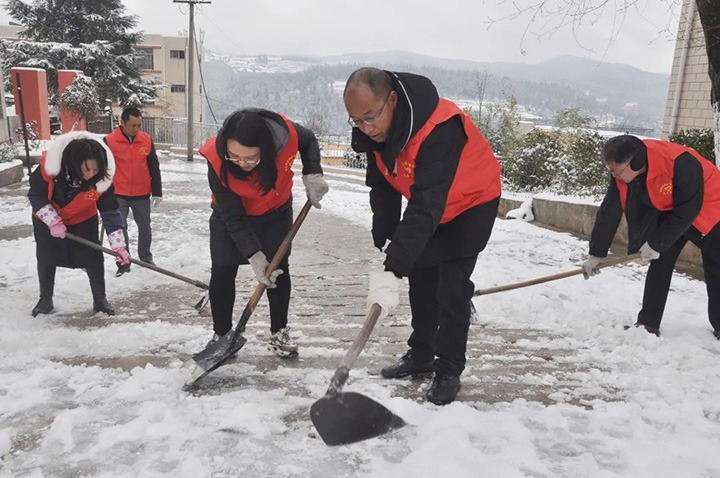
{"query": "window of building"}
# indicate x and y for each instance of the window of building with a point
(145, 59)
(179, 54)
(177, 89)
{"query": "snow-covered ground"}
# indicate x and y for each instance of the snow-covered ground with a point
(653, 408)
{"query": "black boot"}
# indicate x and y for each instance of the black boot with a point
(122, 269)
(444, 389)
(650, 330)
(46, 278)
(101, 304)
(406, 367)
(717, 334)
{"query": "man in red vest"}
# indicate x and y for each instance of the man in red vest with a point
(427, 150)
(670, 195)
(137, 180)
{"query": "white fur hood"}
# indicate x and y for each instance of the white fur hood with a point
(53, 158)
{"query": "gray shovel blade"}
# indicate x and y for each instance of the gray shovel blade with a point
(349, 417)
(213, 356)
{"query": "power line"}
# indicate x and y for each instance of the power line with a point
(202, 80)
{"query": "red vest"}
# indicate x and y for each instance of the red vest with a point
(661, 156)
(255, 201)
(477, 179)
(80, 209)
(132, 174)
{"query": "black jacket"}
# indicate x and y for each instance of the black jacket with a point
(419, 239)
(646, 223)
(230, 210)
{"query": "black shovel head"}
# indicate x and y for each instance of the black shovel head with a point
(349, 417)
(213, 356)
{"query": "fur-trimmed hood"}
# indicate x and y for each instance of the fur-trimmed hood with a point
(53, 157)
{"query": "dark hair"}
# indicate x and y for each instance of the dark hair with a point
(80, 150)
(377, 80)
(248, 128)
(624, 149)
(130, 111)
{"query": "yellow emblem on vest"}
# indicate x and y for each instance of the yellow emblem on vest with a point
(144, 150)
(408, 169)
(289, 162)
(92, 195)
(666, 189)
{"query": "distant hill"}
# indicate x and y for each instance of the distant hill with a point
(294, 83)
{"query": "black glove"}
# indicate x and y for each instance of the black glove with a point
(379, 239)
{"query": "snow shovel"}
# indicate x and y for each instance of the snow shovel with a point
(98, 247)
(348, 417)
(225, 348)
(540, 280)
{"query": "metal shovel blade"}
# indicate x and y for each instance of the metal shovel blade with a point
(213, 356)
(349, 417)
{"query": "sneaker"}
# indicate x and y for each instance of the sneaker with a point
(651, 330)
(122, 269)
(44, 306)
(406, 367)
(149, 261)
(282, 344)
(444, 389)
(102, 305)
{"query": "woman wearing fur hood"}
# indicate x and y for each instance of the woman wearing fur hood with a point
(73, 184)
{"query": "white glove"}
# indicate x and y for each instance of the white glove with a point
(259, 264)
(156, 200)
(648, 254)
(383, 291)
(315, 188)
(590, 265)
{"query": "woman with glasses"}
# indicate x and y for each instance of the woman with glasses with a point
(251, 180)
(72, 184)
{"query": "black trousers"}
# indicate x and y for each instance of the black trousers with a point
(46, 278)
(440, 303)
(659, 276)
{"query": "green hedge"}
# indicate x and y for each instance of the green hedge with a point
(701, 140)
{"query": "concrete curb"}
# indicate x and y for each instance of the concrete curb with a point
(12, 174)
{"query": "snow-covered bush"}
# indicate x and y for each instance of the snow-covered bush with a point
(81, 98)
(532, 165)
(8, 152)
(584, 173)
(701, 140)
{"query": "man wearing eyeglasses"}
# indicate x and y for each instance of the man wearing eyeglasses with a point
(669, 195)
(138, 183)
(427, 150)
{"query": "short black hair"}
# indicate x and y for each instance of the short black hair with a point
(78, 151)
(377, 80)
(130, 111)
(623, 149)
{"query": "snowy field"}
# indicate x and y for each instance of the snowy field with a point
(62, 417)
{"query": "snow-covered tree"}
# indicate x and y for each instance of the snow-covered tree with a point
(80, 98)
(88, 35)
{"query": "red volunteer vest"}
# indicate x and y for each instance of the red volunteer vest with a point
(257, 203)
(80, 209)
(132, 175)
(477, 179)
(661, 156)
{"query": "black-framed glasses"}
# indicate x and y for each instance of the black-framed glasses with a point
(249, 160)
(614, 174)
(371, 120)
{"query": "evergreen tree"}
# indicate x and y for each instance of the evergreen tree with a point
(94, 34)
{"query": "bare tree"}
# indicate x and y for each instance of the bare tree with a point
(545, 17)
(481, 80)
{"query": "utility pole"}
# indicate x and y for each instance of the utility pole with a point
(190, 88)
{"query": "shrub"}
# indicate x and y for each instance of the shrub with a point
(701, 140)
(532, 164)
(8, 152)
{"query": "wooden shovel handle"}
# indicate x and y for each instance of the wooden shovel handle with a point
(550, 278)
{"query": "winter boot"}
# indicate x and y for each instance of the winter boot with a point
(651, 330)
(101, 304)
(46, 278)
(282, 344)
(122, 269)
(406, 367)
(444, 389)
(717, 334)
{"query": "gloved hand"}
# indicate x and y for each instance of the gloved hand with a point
(259, 264)
(315, 188)
(156, 200)
(589, 266)
(52, 219)
(383, 291)
(648, 254)
(117, 244)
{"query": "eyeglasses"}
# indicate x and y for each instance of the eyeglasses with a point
(371, 120)
(616, 174)
(249, 160)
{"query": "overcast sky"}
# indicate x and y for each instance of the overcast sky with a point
(444, 28)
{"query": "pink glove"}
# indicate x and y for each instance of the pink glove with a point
(52, 219)
(117, 244)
